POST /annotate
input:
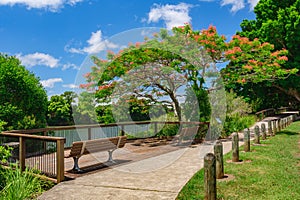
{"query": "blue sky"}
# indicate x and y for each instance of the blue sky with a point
(52, 38)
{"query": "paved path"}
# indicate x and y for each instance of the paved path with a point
(160, 177)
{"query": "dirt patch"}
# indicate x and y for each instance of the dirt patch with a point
(227, 177)
(248, 151)
(240, 161)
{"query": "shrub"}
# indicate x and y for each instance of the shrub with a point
(19, 185)
(237, 123)
(237, 114)
(168, 130)
(4, 153)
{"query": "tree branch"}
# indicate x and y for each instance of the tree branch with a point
(290, 91)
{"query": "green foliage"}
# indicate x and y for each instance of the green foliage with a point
(278, 22)
(5, 153)
(21, 95)
(237, 117)
(193, 56)
(85, 111)
(203, 112)
(29, 122)
(19, 185)
(104, 114)
(169, 130)
(156, 69)
(11, 115)
(2, 124)
(235, 124)
(60, 109)
(236, 106)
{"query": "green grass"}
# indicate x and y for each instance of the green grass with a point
(274, 172)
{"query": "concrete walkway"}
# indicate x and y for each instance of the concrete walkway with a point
(159, 177)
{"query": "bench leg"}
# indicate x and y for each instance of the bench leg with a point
(76, 166)
(110, 158)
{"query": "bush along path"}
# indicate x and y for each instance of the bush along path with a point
(270, 170)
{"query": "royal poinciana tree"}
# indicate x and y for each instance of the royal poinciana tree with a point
(154, 70)
(188, 56)
(278, 22)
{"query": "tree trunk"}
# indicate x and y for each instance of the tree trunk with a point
(290, 91)
(176, 106)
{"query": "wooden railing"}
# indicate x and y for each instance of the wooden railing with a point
(270, 112)
(58, 153)
(90, 126)
(86, 131)
(265, 113)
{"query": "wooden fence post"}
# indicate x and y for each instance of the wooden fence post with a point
(235, 147)
(210, 177)
(60, 164)
(279, 124)
(256, 135)
(270, 128)
(247, 140)
(218, 151)
(274, 127)
(289, 120)
(263, 130)
(294, 117)
(22, 153)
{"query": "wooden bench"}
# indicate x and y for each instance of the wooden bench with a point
(187, 133)
(92, 146)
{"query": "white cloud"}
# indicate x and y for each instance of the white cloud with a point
(252, 3)
(49, 83)
(69, 65)
(239, 4)
(95, 44)
(42, 59)
(37, 58)
(173, 15)
(71, 86)
(52, 5)
(236, 4)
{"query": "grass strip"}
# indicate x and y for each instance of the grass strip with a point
(273, 173)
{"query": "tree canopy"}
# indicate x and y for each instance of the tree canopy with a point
(154, 70)
(23, 100)
(278, 22)
(60, 109)
(193, 56)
